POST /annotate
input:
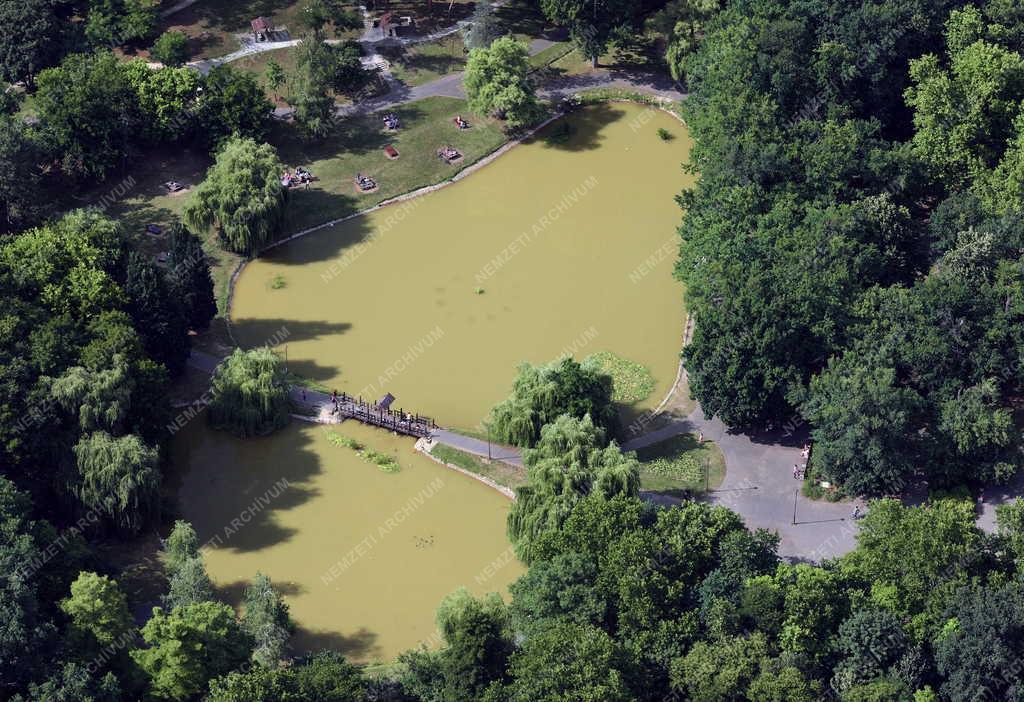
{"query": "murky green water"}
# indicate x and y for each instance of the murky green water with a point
(572, 246)
(363, 557)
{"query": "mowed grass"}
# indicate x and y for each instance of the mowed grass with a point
(501, 473)
(257, 65)
(211, 25)
(679, 464)
(357, 146)
(422, 63)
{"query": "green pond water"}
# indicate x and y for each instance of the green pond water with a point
(551, 249)
(363, 557)
(572, 246)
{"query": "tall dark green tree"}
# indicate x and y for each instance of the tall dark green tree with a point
(267, 621)
(42, 39)
(189, 279)
(160, 317)
(233, 105)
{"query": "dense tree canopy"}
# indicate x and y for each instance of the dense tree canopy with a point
(850, 251)
(571, 461)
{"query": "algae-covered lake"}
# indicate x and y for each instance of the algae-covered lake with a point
(558, 246)
(363, 557)
(564, 245)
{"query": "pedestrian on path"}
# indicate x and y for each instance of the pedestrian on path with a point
(700, 438)
(856, 511)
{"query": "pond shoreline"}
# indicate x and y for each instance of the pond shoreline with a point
(652, 102)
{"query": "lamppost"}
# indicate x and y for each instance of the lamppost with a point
(488, 443)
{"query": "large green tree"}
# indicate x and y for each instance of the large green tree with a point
(250, 393)
(41, 40)
(86, 109)
(118, 478)
(497, 81)
(571, 461)
(159, 316)
(189, 278)
(267, 621)
(233, 105)
(540, 394)
(21, 159)
(241, 197)
(325, 677)
(99, 612)
(189, 646)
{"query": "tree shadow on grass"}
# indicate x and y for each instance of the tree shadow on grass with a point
(230, 15)
(356, 134)
(441, 64)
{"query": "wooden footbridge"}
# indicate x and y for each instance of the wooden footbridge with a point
(342, 406)
(380, 414)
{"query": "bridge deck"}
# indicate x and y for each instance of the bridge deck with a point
(394, 420)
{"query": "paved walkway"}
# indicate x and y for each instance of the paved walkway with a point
(759, 485)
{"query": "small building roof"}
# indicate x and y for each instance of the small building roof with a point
(260, 24)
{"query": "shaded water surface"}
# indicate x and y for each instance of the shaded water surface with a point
(553, 248)
(363, 557)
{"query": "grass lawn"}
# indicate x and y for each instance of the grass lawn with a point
(422, 63)
(640, 53)
(551, 54)
(355, 147)
(501, 473)
(211, 25)
(257, 65)
(677, 464)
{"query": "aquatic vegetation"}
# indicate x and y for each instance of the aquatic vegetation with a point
(632, 382)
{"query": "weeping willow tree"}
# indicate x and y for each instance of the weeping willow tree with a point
(571, 461)
(242, 197)
(250, 394)
(118, 478)
(100, 398)
(540, 394)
